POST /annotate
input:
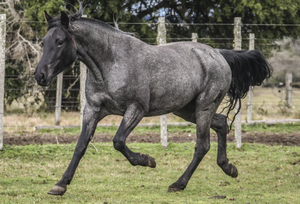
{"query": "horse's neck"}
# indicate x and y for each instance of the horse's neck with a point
(96, 47)
(100, 47)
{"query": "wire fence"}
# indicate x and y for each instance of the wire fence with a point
(268, 103)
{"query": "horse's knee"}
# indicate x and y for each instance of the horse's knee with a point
(119, 145)
(219, 123)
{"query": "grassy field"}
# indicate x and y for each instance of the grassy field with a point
(267, 174)
(268, 103)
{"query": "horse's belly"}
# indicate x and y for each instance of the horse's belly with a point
(171, 100)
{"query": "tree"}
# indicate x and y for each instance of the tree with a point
(35, 13)
(224, 11)
(22, 55)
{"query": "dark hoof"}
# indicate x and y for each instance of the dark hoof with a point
(151, 162)
(147, 161)
(233, 172)
(175, 188)
(57, 190)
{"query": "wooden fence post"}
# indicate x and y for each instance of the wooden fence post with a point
(83, 72)
(58, 98)
(2, 73)
(194, 37)
(161, 39)
(288, 88)
(250, 93)
(238, 46)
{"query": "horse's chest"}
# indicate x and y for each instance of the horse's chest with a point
(101, 99)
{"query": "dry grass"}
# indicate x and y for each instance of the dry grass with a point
(20, 122)
(268, 103)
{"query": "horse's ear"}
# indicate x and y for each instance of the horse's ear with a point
(64, 19)
(47, 16)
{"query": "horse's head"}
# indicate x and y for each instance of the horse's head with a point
(59, 49)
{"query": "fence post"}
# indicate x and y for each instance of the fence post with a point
(250, 93)
(288, 88)
(2, 72)
(194, 37)
(238, 46)
(58, 98)
(83, 72)
(161, 39)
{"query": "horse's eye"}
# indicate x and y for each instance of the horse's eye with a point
(60, 42)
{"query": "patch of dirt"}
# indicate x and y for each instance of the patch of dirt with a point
(26, 138)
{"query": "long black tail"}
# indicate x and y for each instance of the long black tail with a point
(248, 68)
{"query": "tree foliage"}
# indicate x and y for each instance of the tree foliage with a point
(22, 54)
(34, 11)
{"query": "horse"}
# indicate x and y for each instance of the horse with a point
(133, 79)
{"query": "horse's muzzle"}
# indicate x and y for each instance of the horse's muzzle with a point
(41, 78)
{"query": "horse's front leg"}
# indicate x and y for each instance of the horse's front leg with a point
(90, 121)
(132, 117)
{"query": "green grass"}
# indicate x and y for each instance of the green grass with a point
(267, 174)
(277, 128)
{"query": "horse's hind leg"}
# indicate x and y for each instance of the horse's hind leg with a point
(219, 124)
(204, 112)
(132, 117)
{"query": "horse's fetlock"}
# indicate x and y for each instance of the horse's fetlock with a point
(221, 162)
(133, 162)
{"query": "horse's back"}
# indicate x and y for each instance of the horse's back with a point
(182, 71)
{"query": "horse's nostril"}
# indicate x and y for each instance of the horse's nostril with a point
(43, 77)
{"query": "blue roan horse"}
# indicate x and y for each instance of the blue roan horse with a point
(130, 78)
